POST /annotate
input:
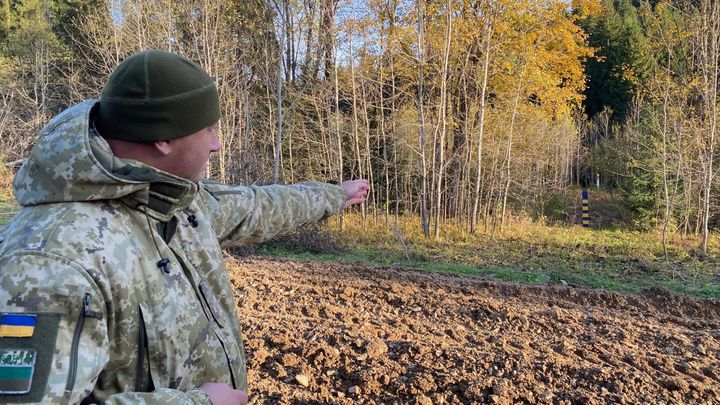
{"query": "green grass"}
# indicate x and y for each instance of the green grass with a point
(526, 252)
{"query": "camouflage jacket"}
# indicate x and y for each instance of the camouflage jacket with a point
(112, 282)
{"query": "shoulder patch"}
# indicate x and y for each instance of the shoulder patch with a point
(26, 354)
(17, 325)
(17, 367)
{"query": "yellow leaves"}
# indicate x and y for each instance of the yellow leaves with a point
(627, 73)
(588, 8)
(545, 57)
(536, 49)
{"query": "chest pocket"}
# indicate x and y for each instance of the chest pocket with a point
(216, 311)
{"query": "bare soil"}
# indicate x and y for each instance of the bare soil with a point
(336, 333)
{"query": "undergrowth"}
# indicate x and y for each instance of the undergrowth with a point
(8, 206)
(522, 251)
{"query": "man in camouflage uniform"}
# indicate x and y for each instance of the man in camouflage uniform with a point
(112, 282)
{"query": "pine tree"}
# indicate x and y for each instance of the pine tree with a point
(622, 59)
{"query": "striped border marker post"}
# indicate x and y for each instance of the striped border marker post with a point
(585, 209)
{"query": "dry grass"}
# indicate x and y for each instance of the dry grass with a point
(527, 250)
(8, 206)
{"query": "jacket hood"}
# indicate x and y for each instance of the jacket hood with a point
(71, 163)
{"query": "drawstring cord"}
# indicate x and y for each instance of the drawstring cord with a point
(164, 262)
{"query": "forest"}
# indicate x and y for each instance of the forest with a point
(459, 112)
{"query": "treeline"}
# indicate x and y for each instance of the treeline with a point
(459, 111)
(653, 99)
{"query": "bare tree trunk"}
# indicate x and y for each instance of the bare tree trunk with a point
(421, 128)
(508, 153)
(490, 206)
(442, 118)
(710, 44)
(463, 207)
(481, 124)
(666, 190)
(278, 102)
(368, 157)
(326, 139)
(356, 123)
(337, 129)
(393, 128)
(290, 54)
(310, 65)
(383, 134)
(327, 34)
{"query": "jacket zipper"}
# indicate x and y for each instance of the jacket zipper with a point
(141, 354)
(211, 308)
(85, 313)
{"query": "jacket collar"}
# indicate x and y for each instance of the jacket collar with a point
(165, 193)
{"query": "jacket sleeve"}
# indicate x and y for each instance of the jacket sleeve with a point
(161, 396)
(54, 330)
(253, 214)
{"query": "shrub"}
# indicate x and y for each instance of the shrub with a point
(312, 238)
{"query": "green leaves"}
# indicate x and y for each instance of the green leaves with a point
(622, 60)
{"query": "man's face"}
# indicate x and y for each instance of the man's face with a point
(190, 154)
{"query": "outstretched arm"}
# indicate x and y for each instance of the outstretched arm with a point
(253, 214)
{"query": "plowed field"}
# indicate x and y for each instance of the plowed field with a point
(335, 333)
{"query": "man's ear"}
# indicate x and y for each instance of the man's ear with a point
(163, 147)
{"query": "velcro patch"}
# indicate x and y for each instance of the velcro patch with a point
(25, 362)
(17, 367)
(17, 325)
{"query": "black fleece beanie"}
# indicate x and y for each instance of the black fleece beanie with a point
(155, 96)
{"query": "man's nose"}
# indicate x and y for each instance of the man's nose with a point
(214, 142)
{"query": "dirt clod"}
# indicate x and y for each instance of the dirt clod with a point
(302, 379)
(376, 348)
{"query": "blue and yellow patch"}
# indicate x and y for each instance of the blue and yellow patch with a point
(17, 325)
(17, 367)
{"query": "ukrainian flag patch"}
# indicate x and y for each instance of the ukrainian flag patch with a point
(17, 325)
(16, 370)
